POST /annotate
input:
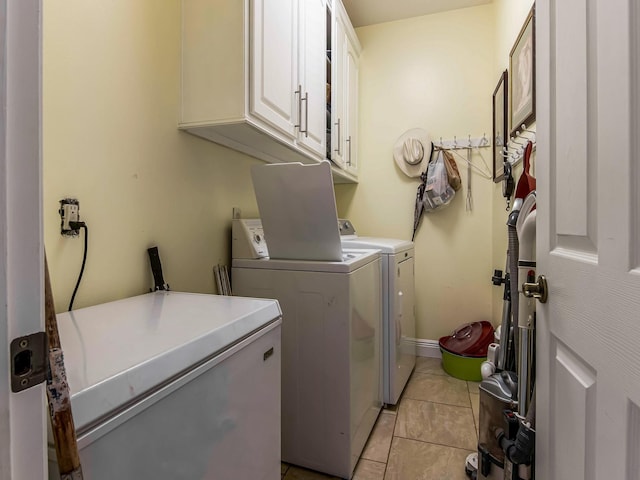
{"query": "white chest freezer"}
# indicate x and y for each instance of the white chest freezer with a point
(173, 385)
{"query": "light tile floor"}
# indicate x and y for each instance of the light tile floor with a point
(427, 436)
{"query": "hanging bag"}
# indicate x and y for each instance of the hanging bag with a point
(438, 193)
(452, 171)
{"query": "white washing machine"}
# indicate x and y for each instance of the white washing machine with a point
(398, 314)
(331, 314)
(331, 359)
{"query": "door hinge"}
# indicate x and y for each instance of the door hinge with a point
(29, 361)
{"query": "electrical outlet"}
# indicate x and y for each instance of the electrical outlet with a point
(69, 212)
(236, 213)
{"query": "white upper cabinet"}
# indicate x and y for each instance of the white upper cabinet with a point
(351, 107)
(338, 49)
(288, 69)
(345, 53)
(312, 80)
(274, 63)
(254, 77)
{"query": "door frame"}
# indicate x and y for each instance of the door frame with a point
(22, 415)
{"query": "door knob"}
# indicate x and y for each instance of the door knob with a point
(537, 290)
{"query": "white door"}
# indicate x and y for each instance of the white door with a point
(22, 415)
(588, 239)
(313, 77)
(274, 77)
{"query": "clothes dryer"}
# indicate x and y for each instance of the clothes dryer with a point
(398, 313)
(331, 360)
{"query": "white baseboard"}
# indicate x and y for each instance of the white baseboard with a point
(427, 348)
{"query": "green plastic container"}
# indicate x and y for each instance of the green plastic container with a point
(461, 366)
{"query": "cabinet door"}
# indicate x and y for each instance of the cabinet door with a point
(274, 30)
(338, 57)
(351, 108)
(312, 69)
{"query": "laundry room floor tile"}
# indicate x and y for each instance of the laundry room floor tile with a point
(473, 387)
(369, 470)
(426, 436)
(415, 460)
(429, 365)
(377, 447)
(436, 423)
(437, 388)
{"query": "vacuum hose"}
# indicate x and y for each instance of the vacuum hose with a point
(514, 253)
(526, 228)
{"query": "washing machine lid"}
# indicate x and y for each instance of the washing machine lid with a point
(385, 245)
(116, 352)
(298, 211)
(353, 259)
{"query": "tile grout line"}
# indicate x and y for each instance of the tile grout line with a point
(442, 403)
(475, 428)
(434, 443)
(393, 433)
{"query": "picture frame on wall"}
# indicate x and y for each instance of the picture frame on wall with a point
(500, 127)
(522, 66)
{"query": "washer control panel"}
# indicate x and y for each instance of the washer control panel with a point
(346, 227)
(247, 238)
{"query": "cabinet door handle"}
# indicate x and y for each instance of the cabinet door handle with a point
(349, 150)
(338, 142)
(306, 114)
(299, 94)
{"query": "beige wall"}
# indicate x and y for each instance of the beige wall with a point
(111, 79)
(433, 72)
(510, 16)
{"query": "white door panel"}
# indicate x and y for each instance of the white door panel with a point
(588, 234)
(22, 415)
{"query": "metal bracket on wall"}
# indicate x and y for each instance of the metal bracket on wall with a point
(29, 361)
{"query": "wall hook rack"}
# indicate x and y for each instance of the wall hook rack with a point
(515, 148)
(472, 142)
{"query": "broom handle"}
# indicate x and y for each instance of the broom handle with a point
(58, 396)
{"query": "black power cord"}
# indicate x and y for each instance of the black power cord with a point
(78, 226)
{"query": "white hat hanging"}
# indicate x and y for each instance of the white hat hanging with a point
(412, 152)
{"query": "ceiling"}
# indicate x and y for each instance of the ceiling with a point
(369, 12)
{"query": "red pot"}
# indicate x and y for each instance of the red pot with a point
(470, 339)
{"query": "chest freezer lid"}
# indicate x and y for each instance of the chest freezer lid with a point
(117, 351)
(298, 210)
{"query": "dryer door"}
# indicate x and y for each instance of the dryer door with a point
(402, 329)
